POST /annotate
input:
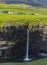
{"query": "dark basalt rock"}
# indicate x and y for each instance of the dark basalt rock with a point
(18, 37)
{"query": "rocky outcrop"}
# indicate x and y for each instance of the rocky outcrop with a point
(37, 44)
(15, 39)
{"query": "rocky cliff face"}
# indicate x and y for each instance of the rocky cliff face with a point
(17, 38)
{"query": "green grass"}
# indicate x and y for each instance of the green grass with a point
(32, 15)
(6, 19)
(36, 62)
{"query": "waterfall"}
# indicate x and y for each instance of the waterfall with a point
(27, 48)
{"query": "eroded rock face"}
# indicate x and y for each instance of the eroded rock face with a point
(18, 37)
(12, 33)
(36, 42)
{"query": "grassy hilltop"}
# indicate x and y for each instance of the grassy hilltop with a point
(22, 14)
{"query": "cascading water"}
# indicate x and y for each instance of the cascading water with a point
(27, 48)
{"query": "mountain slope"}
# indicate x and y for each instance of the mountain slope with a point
(30, 2)
(42, 2)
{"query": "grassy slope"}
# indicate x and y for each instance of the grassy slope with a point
(32, 15)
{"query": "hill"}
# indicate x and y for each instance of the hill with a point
(21, 14)
(30, 2)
